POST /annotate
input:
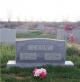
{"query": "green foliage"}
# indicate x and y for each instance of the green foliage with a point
(72, 51)
(73, 54)
(7, 52)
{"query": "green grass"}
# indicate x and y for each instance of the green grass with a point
(35, 34)
(55, 73)
(7, 52)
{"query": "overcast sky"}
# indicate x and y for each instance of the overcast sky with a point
(40, 10)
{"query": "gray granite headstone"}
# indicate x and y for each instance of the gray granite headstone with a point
(7, 36)
(76, 33)
(38, 52)
(61, 34)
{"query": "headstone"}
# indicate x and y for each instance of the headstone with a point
(60, 34)
(7, 36)
(64, 35)
(76, 33)
(0, 37)
(38, 52)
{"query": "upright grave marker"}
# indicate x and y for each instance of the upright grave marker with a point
(7, 36)
(38, 52)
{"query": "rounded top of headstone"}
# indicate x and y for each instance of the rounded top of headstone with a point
(23, 39)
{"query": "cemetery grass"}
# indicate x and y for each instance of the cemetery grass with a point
(35, 34)
(55, 74)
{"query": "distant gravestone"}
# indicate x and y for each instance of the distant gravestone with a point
(76, 33)
(0, 36)
(7, 36)
(38, 52)
(60, 34)
(64, 35)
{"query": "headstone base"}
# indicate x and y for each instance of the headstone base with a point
(12, 63)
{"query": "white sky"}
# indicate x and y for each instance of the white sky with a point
(40, 10)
